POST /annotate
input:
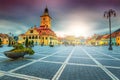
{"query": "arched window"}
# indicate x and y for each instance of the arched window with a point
(39, 37)
(29, 37)
(46, 38)
(36, 37)
(32, 37)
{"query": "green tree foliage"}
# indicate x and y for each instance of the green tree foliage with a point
(26, 43)
(0, 41)
(32, 43)
(20, 48)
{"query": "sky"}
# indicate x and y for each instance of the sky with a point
(69, 17)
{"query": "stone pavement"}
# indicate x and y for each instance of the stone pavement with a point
(63, 63)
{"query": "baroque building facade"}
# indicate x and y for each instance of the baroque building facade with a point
(42, 35)
(4, 38)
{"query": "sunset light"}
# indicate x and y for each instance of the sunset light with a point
(59, 39)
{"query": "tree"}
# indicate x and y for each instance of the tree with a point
(26, 42)
(32, 43)
(11, 39)
(9, 44)
(108, 14)
(0, 41)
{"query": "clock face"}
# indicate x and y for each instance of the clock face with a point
(44, 19)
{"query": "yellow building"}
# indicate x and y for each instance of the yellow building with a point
(92, 41)
(98, 40)
(104, 39)
(31, 34)
(46, 19)
(118, 39)
(42, 35)
(71, 40)
(4, 38)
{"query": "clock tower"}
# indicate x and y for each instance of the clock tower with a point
(46, 19)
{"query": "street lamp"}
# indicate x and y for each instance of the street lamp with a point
(108, 14)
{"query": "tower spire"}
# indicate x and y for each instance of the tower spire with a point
(45, 18)
(46, 11)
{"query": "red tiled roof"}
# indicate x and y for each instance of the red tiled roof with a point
(105, 36)
(22, 34)
(45, 31)
(115, 34)
(3, 35)
(99, 37)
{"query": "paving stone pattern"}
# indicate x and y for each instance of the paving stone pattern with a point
(63, 63)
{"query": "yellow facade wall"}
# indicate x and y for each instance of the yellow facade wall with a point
(118, 40)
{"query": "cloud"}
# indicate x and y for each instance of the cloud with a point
(14, 28)
(86, 22)
(78, 17)
(78, 23)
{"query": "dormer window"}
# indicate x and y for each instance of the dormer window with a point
(31, 31)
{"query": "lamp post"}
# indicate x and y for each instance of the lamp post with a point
(108, 14)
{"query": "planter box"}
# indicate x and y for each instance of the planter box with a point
(14, 55)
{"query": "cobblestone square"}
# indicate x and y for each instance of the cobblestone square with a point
(63, 63)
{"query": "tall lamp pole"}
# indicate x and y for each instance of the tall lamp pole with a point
(108, 14)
